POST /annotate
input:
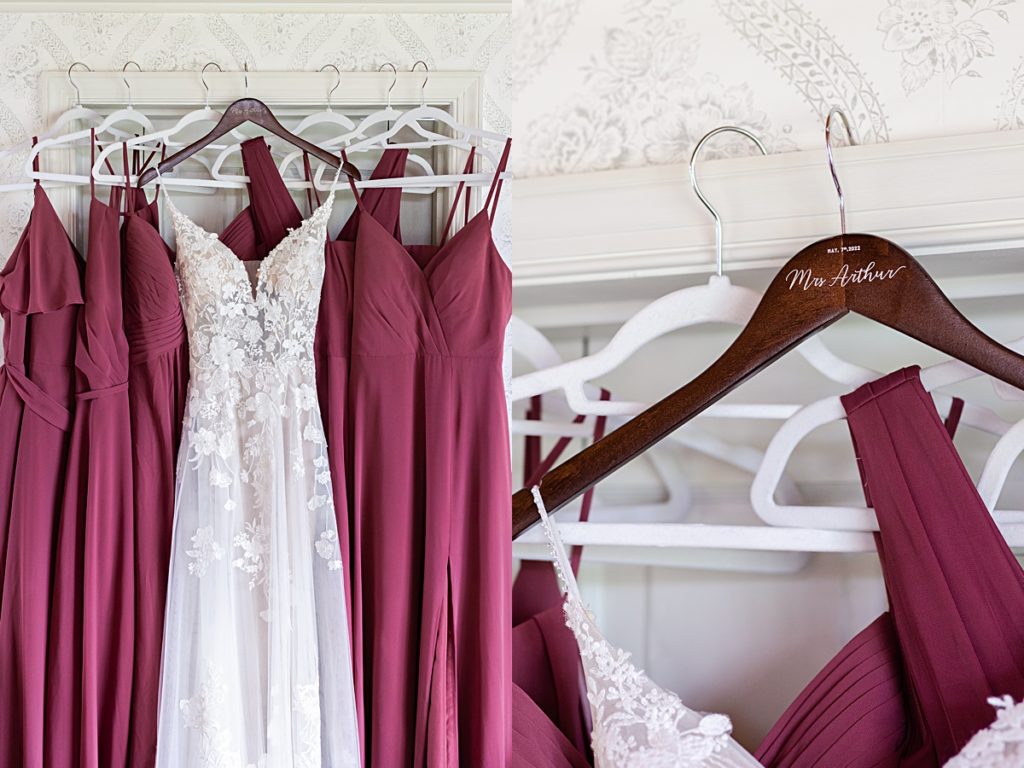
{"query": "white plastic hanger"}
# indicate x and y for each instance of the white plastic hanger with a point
(330, 116)
(356, 141)
(127, 115)
(150, 142)
(608, 521)
(533, 346)
(75, 114)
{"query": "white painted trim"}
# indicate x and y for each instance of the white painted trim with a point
(953, 195)
(257, 6)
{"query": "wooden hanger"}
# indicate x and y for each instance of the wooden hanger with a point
(248, 110)
(864, 274)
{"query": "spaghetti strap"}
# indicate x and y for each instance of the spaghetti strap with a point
(498, 181)
(351, 183)
(455, 203)
(92, 161)
(35, 160)
(311, 190)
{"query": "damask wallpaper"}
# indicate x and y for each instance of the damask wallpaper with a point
(31, 43)
(602, 84)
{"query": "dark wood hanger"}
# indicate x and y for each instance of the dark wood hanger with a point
(864, 274)
(248, 110)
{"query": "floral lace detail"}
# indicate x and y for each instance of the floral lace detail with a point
(327, 548)
(253, 542)
(637, 724)
(1001, 745)
(202, 713)
(204, 551)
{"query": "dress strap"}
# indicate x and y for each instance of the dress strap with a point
(562, 567)
(498, 181)
(35, 160)
(455, 204)
(92, 161)
(351, 183)
(311, 190)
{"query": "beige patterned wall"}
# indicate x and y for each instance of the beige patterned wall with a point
(617, 83)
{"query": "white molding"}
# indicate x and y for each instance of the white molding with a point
(257, 6)
(937, 197)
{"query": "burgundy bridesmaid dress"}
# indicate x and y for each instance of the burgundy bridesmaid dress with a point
(910, 690)
(331, 349)
(92, 630)
(40, 298)
(431, 488)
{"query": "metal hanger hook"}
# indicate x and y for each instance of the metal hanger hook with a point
(393, 81)
(78, 93)
(245, 74)
(831, 161)
(696, 187)
(423, 85)
(128, 85)
(206, 85)
(337, 82)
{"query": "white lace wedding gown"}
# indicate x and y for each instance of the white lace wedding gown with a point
(256, 669)
(637, 724)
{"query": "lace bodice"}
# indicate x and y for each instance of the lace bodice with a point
(637, 724)
(1001, 745)
(246, 343)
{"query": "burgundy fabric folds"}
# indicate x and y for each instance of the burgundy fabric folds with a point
(40, 299)
(92, 632)
(910, 690)
(431, 489)
(332, 351)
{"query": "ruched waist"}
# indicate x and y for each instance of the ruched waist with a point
(154, 337)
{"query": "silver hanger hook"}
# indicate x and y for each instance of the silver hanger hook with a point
(423, 85)
(206, 85)
(696, 187)
(78, 93)
(128, 85)
(337, 82)
(393, 81)
(831, 162)
(245, 74)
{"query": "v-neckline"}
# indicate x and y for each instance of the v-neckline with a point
(253, 285)
(431, 263)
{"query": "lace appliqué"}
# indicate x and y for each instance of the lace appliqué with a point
(204, 551)
(1001, 745)
(637, 724)
(202, 713)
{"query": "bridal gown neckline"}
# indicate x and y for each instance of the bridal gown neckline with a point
(636, 722)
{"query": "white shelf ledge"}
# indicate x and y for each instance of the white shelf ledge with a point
(942, 199)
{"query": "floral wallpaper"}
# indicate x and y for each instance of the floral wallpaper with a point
(31, 43)
(601, 85)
